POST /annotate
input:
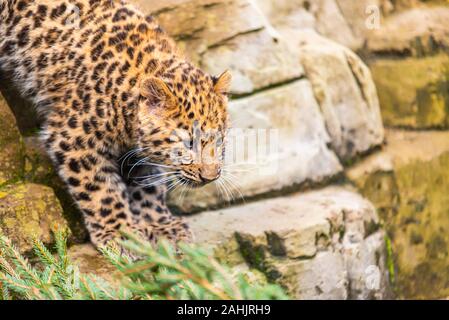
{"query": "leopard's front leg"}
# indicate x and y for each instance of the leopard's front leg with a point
(148, 203)
(88, 167)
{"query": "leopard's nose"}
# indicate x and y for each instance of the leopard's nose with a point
(209, 173)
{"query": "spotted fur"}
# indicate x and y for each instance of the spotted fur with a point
(107, 79)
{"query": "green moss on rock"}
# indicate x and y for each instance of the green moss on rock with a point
(413, 92)
(382, 190)
(423, 266)
(229, 253)
(11, 146)
(27, 211)
(414, 203)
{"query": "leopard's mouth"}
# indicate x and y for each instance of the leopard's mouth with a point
(193, 181)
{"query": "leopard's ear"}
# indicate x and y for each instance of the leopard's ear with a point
(222, 84)
(157, 93)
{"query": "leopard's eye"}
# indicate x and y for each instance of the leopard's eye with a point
(186, 159)
(182, 156)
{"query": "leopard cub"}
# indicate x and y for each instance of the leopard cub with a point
(111, 87)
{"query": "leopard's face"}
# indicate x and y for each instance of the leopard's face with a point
(182, 126)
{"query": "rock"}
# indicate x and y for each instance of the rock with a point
(403, 147)
(411, 197)
(292, 14)
(220, 35)
(400, 26)
(39, 169)
(332, 24)
(28, 211)
(417, 32)
(90, 261)
(255, 60)
(346, 93)
(413, 92)
(198, 25)
(38, 165)
(322, 16)
(11, 146)
(311, 279)
(361, 17)
(323, 244)
(295, 153)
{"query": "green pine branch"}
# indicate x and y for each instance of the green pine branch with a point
(189, 272)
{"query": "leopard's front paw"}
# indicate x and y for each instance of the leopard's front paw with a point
(116, 241)
(176, 230)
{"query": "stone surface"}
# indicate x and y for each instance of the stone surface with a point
(255, 60)
(346, 93)
(419, 31)
(410, 192)
(420, 229)
(298, 148)
(198, 25)
(11, 146)
(320, 245)
(27, 211)
(90, 261)
(288, 13)
(400, 26)
(323, 16)
(413, 92)
(368, 17)
(38, 166)
(220, 35)
(332, 23)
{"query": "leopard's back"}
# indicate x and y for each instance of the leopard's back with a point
(36, 44)
(55, 47)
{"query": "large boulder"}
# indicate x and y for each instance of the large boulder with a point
(220, 35)
(256, 61)
(319, 245)
(410, 66)
(198, 25)
(419, 31)
(333, 24)
(408, 183)
(413, 92)
(323, 16)
(345, 90)
(29, 211)
(11, 146)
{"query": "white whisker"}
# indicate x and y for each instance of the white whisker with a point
(235, 185)
(155, 175)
